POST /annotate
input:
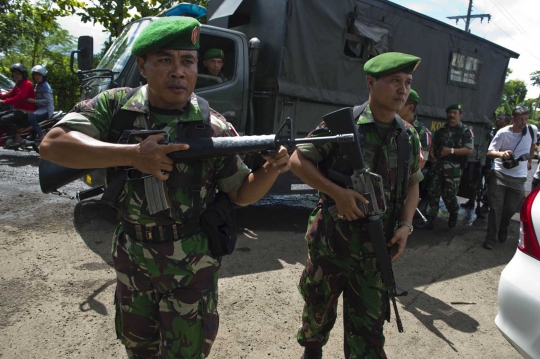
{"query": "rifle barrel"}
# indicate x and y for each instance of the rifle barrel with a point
(348, 137)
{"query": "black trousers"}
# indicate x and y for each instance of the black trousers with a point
(11, 122)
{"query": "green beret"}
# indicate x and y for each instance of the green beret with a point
(390, 62)
(174, 32)
(213, 54)
(413, 96)
(455, 106)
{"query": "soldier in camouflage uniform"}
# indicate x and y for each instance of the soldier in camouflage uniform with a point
(451, 145)
(213, 61)
(341, 258)
(408, 114)
(166, 295)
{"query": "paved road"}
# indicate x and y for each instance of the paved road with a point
(61, 307)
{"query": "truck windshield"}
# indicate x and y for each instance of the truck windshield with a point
(118, 54)
(116, 58)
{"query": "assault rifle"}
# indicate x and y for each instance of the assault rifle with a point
(370, 186)
(53, 176)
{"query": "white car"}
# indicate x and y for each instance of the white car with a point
(519, 288)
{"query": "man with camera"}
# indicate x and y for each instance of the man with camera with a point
(512, 148)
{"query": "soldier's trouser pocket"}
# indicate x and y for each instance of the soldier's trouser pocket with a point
(189, 320)
(136, 322)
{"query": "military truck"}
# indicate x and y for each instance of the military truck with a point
(303, 59)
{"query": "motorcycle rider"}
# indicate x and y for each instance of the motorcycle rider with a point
(43, 101)
(17, 98)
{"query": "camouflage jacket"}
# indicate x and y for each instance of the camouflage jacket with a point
(93, 117)
(458, 136)
(423, 133)
(380, 156)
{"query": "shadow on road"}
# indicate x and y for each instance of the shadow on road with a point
(272, 234)
(95, 221)
(429, 310)
(91, 303)
(19, 161)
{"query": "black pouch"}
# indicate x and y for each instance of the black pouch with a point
(218, 223)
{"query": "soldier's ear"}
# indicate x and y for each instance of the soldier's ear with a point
(370, 80)
(140, 64)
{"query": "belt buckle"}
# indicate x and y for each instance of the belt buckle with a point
(148, 233)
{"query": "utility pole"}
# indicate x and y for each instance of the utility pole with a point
(468, 17)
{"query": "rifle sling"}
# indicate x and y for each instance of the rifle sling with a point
(403, 163)
(121, 120)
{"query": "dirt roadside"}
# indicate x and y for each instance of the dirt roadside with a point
(57, 284)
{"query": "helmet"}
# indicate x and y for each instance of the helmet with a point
(20, 68)
(39, 70)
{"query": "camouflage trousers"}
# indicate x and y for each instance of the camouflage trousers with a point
(166, 297)
(444, 182)
(341, 260)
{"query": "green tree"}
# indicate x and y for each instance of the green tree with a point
(514, 93)
(41, 40)
(27, 18)
(535, 78)
(115, 14)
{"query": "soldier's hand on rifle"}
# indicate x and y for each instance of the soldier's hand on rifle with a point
(346, 204)
(151, 157)
(280, 160)
(398, 242)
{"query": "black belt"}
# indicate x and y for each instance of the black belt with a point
(160, 234)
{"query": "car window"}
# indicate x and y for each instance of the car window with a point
(209, 77)
(6, 83)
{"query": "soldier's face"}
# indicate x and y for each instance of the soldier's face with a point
(213, 66)
(453, 117)
(520, 121)
(391, 91)
(406, 112)
(171, 76)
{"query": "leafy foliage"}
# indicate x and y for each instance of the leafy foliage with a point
(535, 78)
(115, 14)
(514, 93)
(39, 39)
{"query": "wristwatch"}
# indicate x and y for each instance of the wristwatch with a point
(452, 150)
(405, 223)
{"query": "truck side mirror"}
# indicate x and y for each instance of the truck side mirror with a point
(85, 54)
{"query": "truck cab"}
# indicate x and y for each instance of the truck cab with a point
(286, 58)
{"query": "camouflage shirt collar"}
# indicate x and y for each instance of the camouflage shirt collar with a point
(367, 117)
(415, 122)
(139, 103)
(458, 125)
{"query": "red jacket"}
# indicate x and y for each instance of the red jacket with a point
(17, 96)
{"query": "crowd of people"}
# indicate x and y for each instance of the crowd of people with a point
(26, 104)
(501, 181)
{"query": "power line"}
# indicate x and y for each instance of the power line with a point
(516, 41)
(509, 16)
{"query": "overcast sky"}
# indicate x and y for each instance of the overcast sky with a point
(512, 26)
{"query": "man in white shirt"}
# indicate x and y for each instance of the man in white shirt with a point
(512, 148)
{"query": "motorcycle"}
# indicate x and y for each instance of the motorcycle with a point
(28, 133)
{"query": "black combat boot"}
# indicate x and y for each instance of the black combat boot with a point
(426, 225)
(312, 353)
(452, 221)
